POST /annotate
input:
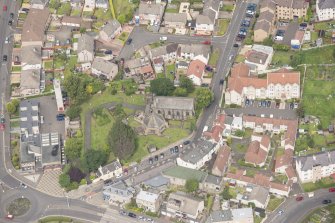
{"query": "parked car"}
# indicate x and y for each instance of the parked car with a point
(299, 198)
(207, 42)
(10, 22)
(268, 104)
(11, 15)
(162, 155)
(2, 120)
(235, 45)
(280, 212)
(163, 38)
(291, 105)
(259, 104)
(132, 215)
(247, 102)
(4, 58)
(332, 189)
(129, 41)
(2, 127)
(9, 217)
(221, 81)
(187, 142)
(156, 158)
(277, 104)
(204, 85)
(151, 161)
(172, 150)
(7, 40)
(176, 149)
(108, 52)
(60, 117)
(328, 201)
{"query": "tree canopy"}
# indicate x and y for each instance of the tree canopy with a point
(192, 185)
(122, 140)
(73, 147)
(64, 180)
(186, 83)
(92, 159)
(203, 97)
(162, 87)
(73, 111)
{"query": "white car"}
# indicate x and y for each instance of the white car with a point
(280, 212)
(7, 40)
(163, 38)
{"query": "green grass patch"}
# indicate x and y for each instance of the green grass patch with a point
(240, 58)
(274, 202)
(170, 71)
(281, 58)
(54, 219)
(324, 25)
(281, 178)
(48, 64)
(223, 26)
(76, 12)
(227, 8)
(214, 58)
(123, 7)
(156, 44)
(172, 10)
(123, 36)
(323, 183)
(324, 215)
(323, 55)
(16, 68)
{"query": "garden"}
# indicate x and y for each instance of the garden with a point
(274, 203)
(321, 215)
(323, 183)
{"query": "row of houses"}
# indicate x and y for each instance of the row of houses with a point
(86, 5)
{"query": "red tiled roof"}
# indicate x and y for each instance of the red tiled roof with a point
(290, 172)
(283, 77)
(240, 70)
(222, 158)
(220, 120)
(265, 141)
(285, 159)
(237, 84)
(255, 154)
(196, 68)
(146, 69)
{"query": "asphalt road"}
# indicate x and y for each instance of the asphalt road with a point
(295, 212)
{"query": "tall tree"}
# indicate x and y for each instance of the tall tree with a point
(192, 185)
(73, 111)
(203, 97)
(186, 83)
(119, 112)
(73, 147)
(122, 140)
(64, 180)
(92, 159)
(162, 87)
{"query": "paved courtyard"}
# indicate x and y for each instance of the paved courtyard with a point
(49, 183)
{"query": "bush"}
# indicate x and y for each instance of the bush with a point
(76, 175)
(73, 112)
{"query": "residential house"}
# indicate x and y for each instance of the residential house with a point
(254, 194)
(168, 52)
(114, 169)
(182, 205)
(259, 57)
(38, 4)
(31, 57)
(325, 10)
(71, 21)
(139, 69)
(101, 67)
(85, 49)
(75, 4)
(30, 82)
(258, 150)
(34, 26)
(264, 25)
(291, 9)
(178, 175)
(196, 71)
(150, 13)
(89, 6)
(175, 20)
(222, 161)
(149, 201)
(158, 64)
(193, 51)
(110, 30)
(118, 193)
(282, 84)
(241, 215)
(211, 184)
(216, 133)
(177, 108)
(197, 154)
(205, 22)
(103, 4)
(314, 167)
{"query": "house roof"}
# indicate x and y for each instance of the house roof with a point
(105, 66)
(265, 141)
(72, 19)
(219, 216)
(241, 214)
(255, 154)
(184, 203)
(203, 19)
(147, 196)
(283, 77)
(150, 9)
(154, 121)
(175, 17)
(197, 150)
(30, 79)
(34, 25)
(222, 158)
(196, 68)
(210, 9)
(290, 172)
(171, 48)
(213, 180)
(111, 27)
(115, 165)
(31, 55)
(237, 84)
(271, 4)
(40, 2)
(180, 103)
(326, 4)
(259, 194)
(320, 159)
(158, 51)
(86, 42)
(184, 173)
(196, 49)
(240, 70)
(296, 4)
(256, 57)
(214, 134)
(157, 181)
(220, 120)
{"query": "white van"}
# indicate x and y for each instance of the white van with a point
(163, 38)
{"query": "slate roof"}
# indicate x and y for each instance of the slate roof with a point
(150, 9)
(321, 159)
(31, 55)
(30, 79)
(86, 42)
(111, 27)
(115, 165)
(175, 17)
(183, 202)
(220, 216)
(154, 121)
(34, 25)
(104, 66)
(196, 150)
(179, 103)
(184, 173)
(326, 4)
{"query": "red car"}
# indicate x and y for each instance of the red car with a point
(2, 127)
(332, 189)
(4, 8)
(207, 42)
(300, 198)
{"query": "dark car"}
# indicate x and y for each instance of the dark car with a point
(221, 81)
(268, 104)
(11, 15)
(108, 52)
(132, 215)
(4, 58)
(187, 142)
(326, 201)
(151, 161)
(300, 198)
(204, 85)
(10, 22)
(2, 120)
(60, 117)
(172, 150)
(176, 149)
(129, 41)
(208, 68)
(156, 158)
(235, 45)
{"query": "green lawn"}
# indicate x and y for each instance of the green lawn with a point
(16, 68)
(274, 203)
(323, 25)
(123, 36)
(257, 219)
(170, 71)
(323, 55)
(58, 64)
(281, 178)
(48, 65)
(281, 58)
(76, 12)
(240, 58)
(324, 215)
(227, 8)
(223, 26)
(214, 58)
(72, 61)
(172, 10)
(123, 7)
(323, 183)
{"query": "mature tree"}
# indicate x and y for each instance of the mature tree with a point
(129, 86)
(225, 193)
(119, 112)
(310, 141)
(73, 147)
(162, 87)
(186, 83)
(11, 108)
(191, 185)
(73, 111)
(92, 159)
(75, 86)
(180, 92)
(122, 18)
(64, 9)
(55, 4)
(122, 139)
(76, 175)
(64, 180)
(203, 97)
(300, 111)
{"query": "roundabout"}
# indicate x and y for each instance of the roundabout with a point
(19, 206)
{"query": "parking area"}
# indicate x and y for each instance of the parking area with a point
(48, 112)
